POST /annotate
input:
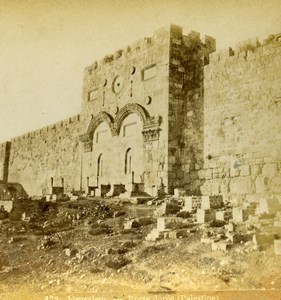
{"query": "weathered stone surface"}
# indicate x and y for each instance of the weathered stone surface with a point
(241, 185)
(275, 184)
(277, 247)
(263, 238)
(245, 170)
(261, 184)
(201, 138)
(269, 170)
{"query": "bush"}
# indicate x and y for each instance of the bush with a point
(217, 223)
(184, 214)
(117, 263)
(63, 198)
(100, 230)
(172, 209)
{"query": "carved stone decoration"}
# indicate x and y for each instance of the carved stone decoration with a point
(151, 129)
(117, 84)
(133, 70)
(87, 138)
(97, 120)
(148, 100)
(151, 135)
(88, 146)
(84, 137)
(151, 125)
(127, 110)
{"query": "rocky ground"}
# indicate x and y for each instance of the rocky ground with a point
(82, 246)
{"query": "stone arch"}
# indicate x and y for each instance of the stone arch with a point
(97, 120)
(131, 108)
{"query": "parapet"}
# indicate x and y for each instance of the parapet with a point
(54, 126)
(143, 44)
(139, 45)
(246, 48)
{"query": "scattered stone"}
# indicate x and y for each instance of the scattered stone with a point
(238, 238)
(70, 252)
(221, 245)
(226, 261)
(263, 238)
(277, 223)
(230, 227)
(206, 240)
(117, 263)
(119, 213)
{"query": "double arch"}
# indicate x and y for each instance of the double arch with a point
(116, 123)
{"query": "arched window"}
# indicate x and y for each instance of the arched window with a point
(128, 161)
(100, 165)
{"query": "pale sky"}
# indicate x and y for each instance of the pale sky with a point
(46, 44)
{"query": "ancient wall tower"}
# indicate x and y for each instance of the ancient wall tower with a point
(162, 113)
(145, 103)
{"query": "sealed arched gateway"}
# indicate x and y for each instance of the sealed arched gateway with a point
(114, 151)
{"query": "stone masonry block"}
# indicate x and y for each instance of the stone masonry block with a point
(244, 170)
(241, 185)
(275, 183)
(261, 184)
(269, 205)
(208, 174)
(277, 247)
(255, 170)
(269, 170)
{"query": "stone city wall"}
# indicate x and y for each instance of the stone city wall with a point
(4, 160)
(50, 152)
(242, 121)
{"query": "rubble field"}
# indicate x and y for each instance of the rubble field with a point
(169, 243)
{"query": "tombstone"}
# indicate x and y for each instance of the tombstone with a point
(97, 192)
(268, 205)
(179, 192)
(223, 215)
(203, 216)
(239, 214)
(161, 210)
(161, 224)
(209, 202)
(191, 203)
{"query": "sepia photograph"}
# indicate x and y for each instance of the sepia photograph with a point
(140, 149)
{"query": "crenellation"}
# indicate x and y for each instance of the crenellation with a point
(190, 117)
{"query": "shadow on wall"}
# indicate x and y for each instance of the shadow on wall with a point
(12, 191)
